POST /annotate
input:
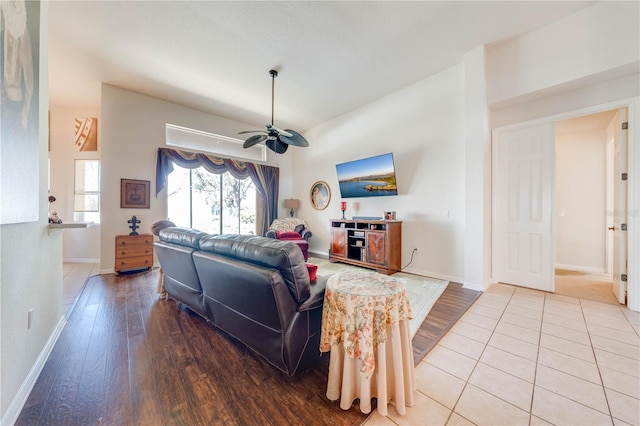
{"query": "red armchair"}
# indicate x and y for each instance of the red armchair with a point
(293, 230)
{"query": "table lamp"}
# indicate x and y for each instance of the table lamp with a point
(291, 203)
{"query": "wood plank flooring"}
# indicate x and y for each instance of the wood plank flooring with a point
(127, 358)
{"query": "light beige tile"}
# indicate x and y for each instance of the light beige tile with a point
(620, 348)
(601, 310)
(574, 388)
(464, 345)
(559, 298)
(564, 322)
(576, 367)
(450, 361)
(377, 419)
(514, 346)
(518, 332)
(526, 312)
(509, 363)
(457, 420)
(525, 303)
(529, 292)
(471, 331)
(425, 411)
(578, 336)
(482, 408)
(618, 362)
(537, 421)
(438, 384)
(567, 347)
(493, 299)
(624, 407)
(486, 311)
(532, 324)
(557, 409)
(479, 320)
(499, 288)
(620, 382)
(618, 324)
(505, 386)
(621, 336)
(574, 314)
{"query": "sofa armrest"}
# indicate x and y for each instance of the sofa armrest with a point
(316, 299)
(306, 234)
(270, 234)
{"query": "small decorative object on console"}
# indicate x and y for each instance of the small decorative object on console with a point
(343, 207)
(134, 225)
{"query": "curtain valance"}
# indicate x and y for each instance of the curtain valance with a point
(264, 178)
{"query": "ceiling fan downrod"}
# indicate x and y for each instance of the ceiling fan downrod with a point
(274, 74)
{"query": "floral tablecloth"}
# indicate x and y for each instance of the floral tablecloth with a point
(359, 307)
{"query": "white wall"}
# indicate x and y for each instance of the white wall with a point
(423, 125)
(580, 200)
(30, 273)
(78, 244)
(595, 44)
(133, 128)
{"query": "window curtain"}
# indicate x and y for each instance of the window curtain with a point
(264, 178)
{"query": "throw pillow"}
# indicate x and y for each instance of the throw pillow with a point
(287, 235)
(299, 229)
(313, 271)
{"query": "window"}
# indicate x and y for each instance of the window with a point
(86, 193)
(217, 204)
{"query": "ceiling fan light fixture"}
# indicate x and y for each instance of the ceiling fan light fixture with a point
(277, 140)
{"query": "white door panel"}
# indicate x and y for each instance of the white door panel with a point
(523, 204)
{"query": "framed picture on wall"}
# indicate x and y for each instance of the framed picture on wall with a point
(320, 195)
(134, 194)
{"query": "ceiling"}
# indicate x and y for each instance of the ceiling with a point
(214, 56)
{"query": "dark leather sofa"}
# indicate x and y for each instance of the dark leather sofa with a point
(256, 289)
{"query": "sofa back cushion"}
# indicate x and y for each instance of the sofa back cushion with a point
(182, 236)
(284, 256)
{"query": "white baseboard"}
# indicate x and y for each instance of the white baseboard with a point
(581, 268)
(12, 413)
(79, 260)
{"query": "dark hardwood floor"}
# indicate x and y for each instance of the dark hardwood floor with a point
(127, 358)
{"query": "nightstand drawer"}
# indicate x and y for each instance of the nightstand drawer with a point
(134, 262)
(133, 252)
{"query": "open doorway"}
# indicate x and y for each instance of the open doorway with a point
(585, 206)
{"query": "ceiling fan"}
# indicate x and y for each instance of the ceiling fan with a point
(277, 140)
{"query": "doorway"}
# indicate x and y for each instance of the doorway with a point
(584, 206)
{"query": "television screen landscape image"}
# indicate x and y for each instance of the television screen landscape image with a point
(368, 177)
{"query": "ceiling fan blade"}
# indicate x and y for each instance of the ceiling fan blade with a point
(295, 139)
(276, 146)
(252, 140)
(251, 131)
(286, 133)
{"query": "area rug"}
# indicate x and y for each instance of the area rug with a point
(423, 292)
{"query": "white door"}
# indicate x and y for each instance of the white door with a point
(523, 182)
(620, 207)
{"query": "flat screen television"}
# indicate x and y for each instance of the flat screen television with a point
(368, 177)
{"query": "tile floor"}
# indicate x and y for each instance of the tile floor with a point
(525, 357)
(74, 275)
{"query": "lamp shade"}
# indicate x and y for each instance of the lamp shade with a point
(291, 203)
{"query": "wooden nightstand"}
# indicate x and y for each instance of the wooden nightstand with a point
(134, 252)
